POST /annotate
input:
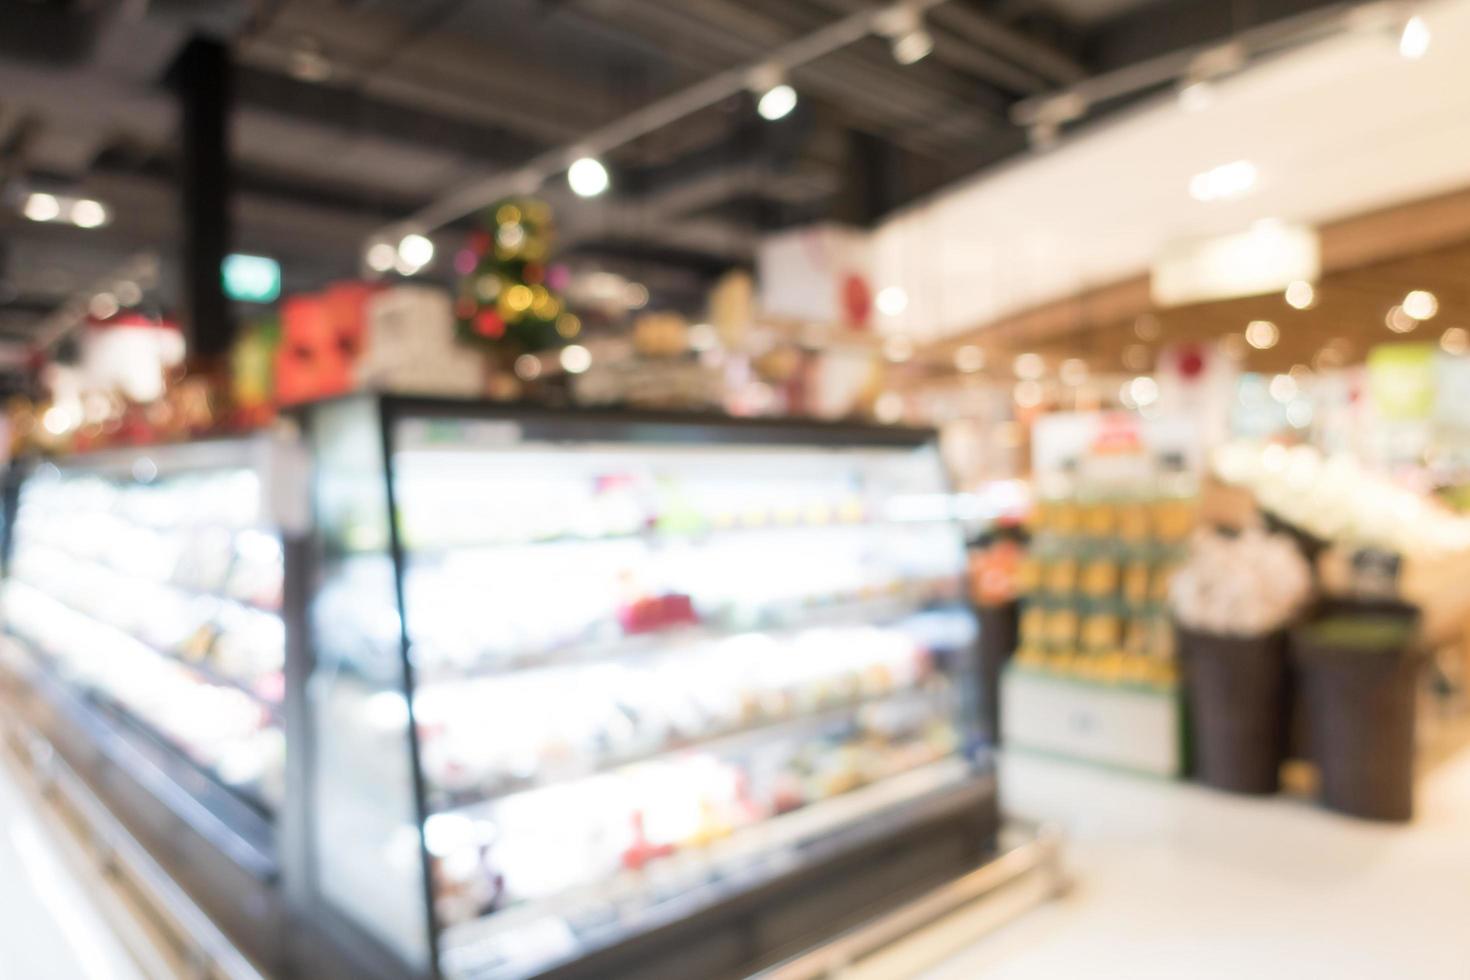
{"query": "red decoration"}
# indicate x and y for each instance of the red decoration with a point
(533, 273)
(480, 241)
(1191, 362)
(857, 299)
(490, 324)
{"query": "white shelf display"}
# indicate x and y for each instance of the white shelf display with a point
(158, 596)
(647, 660)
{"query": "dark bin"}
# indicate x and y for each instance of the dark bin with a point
(1000, 627)
(1238, 698)
(1358, 671)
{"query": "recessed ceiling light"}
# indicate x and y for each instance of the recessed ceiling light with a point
(415, 251)
(1262, 334)
(1421, 304)
(575, 359)
(381, 256)
(1143, 390)
(1414, 41)
(1399, 321)
(969, 359)
(1029, 366)
(587, 177)
(1455, 340)
(1073, 372)
(1228, 180)
(87, 213)
(42, 207)
(892, 300)
(1301, 295)
(777, 102)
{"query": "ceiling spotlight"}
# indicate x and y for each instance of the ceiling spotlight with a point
(903, 25)
(776, 102)
(587, 177)
(129, 293)
(1028, 393)
(1262, 334)
(1143, 391)
(575, 359)
(1137, 357)
(969, 359)
(381, 256)
(1073, 372)
(1421, 304)
(1029, 366)
(307, 62)
(414, 252)
(528, 367)
(1399, 321)
(42, 207)
(1147, 327)
(1301, 295)
(1455, 340)
(1228, 180)
(892, 300)
(913, 46)
(1196, 96)
(102, 306)
(87, 213)
(1414, 41)
(1283, 388)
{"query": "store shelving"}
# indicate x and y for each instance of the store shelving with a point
(638, 661)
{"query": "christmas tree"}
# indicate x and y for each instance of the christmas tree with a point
(509, 296)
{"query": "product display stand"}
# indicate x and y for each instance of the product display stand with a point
(566, 694)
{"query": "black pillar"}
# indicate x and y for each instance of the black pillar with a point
(201, 78)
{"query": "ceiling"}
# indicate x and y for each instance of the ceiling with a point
(353, 113)
(1342, 126)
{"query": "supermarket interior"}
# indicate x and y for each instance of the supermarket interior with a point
(698, 489)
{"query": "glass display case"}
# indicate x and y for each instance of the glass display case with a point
(583, 683)
(145, 638)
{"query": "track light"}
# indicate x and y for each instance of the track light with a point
(1414, 41)
(776, 103)
(903, 25)
(414, 252)
(587, 177)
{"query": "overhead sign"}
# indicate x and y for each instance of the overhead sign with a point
(1264, 259)
(251, 278)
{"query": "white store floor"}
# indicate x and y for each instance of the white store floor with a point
(1169, 881)
(1176, 881)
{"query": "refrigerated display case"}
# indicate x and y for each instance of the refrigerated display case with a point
(654, 695)
(143, 617)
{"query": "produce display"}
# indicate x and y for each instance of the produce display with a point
(161, 598)
(1337, 499)
(1095, 584)
(1247, 584)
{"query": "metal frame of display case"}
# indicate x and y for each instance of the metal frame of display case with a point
(846, 878)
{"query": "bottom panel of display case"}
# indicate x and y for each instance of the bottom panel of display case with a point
(219, 850)
(839, 864)
(1134, 727)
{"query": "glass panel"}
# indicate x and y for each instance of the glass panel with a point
(646, 669)
(365, 818)
(159, 594)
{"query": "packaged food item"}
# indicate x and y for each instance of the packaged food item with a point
(1101, 632)
(1100, 578)
(1099, 520)
(1136, 582)
(1061, 576)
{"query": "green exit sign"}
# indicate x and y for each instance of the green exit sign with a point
(251, 278)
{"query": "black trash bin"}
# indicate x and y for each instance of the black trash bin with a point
(1000, 627)
(1358, 670)
(1238, 696)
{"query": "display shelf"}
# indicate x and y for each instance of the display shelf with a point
(559, 656)
(201, 669)
(589, 650)
(716, 742)
(524, 939)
